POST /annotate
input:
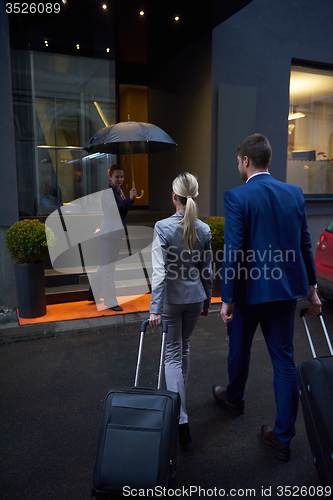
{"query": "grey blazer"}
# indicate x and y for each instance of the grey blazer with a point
(178, 276)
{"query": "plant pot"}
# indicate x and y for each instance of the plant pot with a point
(30, 287)
(217, 269)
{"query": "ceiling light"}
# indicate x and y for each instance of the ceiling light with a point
(64, 1)
(294, 116)
(101, 114)
(77, 46)
(46, 43)
(108, 50)
(104, 6)
(176, 18)
(142, 13)
(94, 155)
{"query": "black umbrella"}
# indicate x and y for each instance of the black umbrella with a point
(130, 138)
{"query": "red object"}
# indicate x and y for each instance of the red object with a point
(205, 312)
(324, 262)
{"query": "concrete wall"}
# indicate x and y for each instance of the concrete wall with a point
(254, 49)
(180, 103)
(8, 181)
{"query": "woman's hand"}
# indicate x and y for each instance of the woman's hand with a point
(155, 320)
(133, 193)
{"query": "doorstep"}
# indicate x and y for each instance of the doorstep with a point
(135, 311)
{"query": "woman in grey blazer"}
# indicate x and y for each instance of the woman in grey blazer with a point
(181, 285)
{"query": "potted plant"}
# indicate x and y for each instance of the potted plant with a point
(27, 244)
(217, 225)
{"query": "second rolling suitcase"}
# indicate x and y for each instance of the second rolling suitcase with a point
(138, 440)
(315, 378)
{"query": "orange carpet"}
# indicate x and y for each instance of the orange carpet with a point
(85, 309)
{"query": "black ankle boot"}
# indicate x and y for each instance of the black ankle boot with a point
(184, 434)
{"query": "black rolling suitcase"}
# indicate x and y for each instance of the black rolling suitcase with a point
(315, 379)
(138, 440)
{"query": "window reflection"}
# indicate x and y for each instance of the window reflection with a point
(68, 173)
(66, 100)
(310, 130)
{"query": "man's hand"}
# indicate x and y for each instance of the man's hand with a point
(315, 302)
(155, 320)
(227, 312)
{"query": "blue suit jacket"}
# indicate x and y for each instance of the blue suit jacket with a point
(267, 251)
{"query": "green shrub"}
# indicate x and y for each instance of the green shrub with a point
(26, 241)
(216, 225)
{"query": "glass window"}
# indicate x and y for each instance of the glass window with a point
(60, 101)
(310, 131)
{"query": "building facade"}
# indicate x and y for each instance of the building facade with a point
(259, 67)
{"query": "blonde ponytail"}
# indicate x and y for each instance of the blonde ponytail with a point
(185, 186)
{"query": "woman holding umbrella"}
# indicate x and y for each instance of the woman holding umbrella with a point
(116, 179)
(181, 285)
(110, 240)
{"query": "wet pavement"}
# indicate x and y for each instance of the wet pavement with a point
(53, 387)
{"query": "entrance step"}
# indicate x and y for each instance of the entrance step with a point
(76, 293)
(72, 284)
(130, 279)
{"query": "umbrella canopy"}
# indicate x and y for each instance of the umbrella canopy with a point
(130, 137)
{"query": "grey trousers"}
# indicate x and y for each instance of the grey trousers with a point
(181, 320)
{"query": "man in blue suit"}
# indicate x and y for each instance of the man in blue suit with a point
(267, 265)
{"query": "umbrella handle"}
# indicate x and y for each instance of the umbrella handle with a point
(132, 169)
(132, 166)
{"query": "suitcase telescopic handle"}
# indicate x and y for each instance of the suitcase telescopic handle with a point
(146, 323)
(302, 315)
(138, 365)
(304, 311)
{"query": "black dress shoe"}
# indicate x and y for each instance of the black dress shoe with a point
(268, 437)
(116, 308)
(184, 435)
(220, 395)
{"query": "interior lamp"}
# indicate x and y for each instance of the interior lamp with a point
(294, 116)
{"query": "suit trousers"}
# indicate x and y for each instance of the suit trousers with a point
(181, 320)
(277, 324)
